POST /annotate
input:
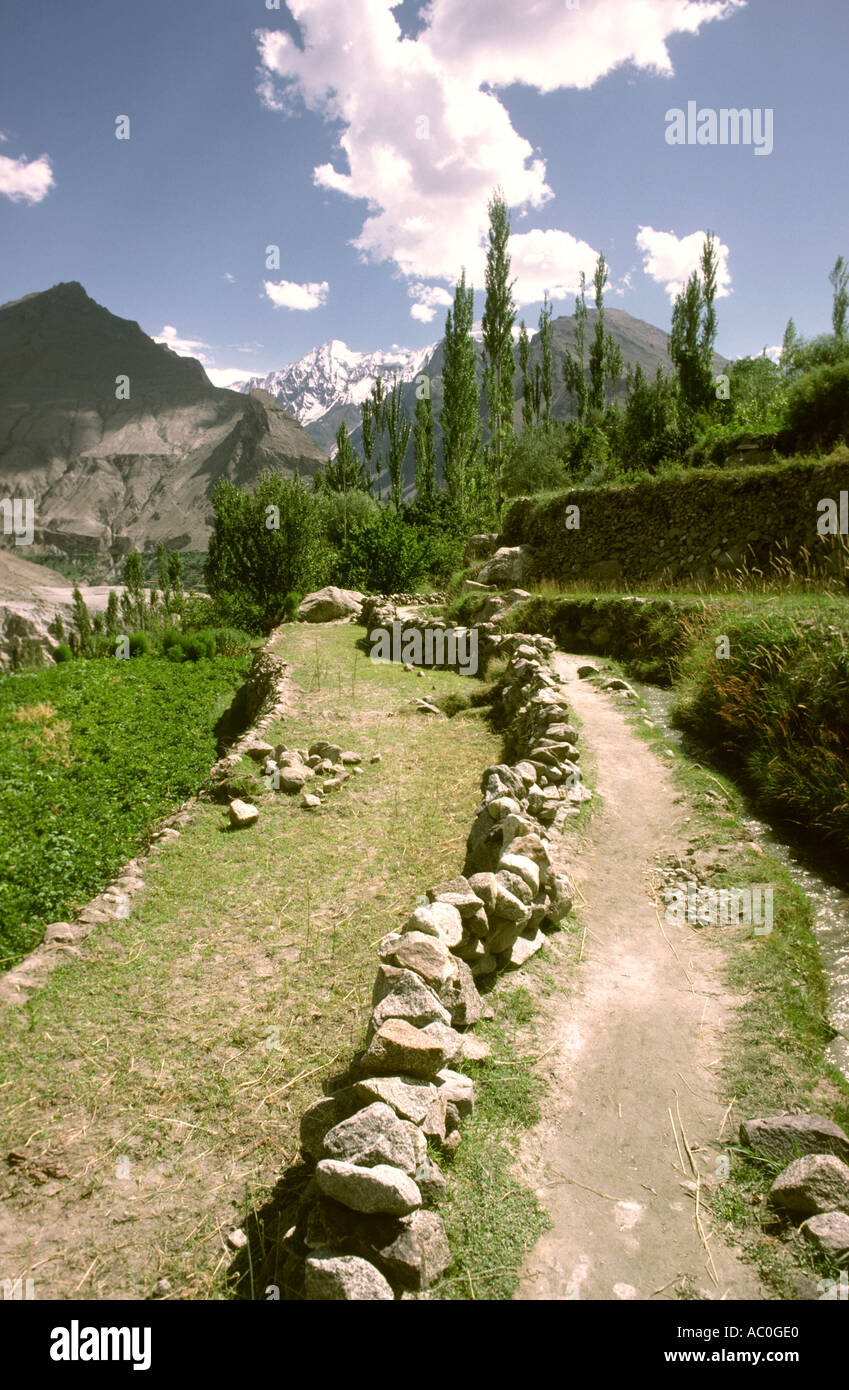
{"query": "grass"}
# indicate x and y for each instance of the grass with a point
(186, 1043)
(92, 754)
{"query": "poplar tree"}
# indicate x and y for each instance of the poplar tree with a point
(547, 370)
(82, 623)
(399, 427)
(574, 372)
(424, 450)
(460, 413)
(498, 318)
(839, 279)
(523, 351)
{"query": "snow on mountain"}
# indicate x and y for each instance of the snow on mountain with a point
(335, 374)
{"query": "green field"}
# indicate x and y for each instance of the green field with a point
(92, 753)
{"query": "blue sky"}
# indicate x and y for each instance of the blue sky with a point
(364, 141)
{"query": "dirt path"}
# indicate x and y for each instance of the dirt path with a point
(634, 1040)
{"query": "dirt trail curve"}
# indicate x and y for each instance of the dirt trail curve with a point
(629, 1034)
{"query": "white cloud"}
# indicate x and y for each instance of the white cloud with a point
(670, 260)
(184, 347)
(423, 144)
(231, 278)
(548, 260)
(25, 181)
(285, 294)
(228, 376)
(428, 299)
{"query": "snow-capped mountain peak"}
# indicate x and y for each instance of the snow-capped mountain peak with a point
(335, 374)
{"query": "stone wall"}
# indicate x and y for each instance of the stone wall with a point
(366, 1228)
(693, 527)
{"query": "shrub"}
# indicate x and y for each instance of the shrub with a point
(63, 653)
(817, 413)
(140, 644)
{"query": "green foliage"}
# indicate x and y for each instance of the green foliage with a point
(386, 555)
(265, 544)
(460, 413)
(345, 472)
(817, 412)
(63, 653)
(140, 644)
(574, 370)
(399, 428)
(652, 428)
(499, 316)
(425, 451)
(91, 754)
(537, 460)
(839, 280)
(82, 641)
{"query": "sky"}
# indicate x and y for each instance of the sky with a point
(364, 140)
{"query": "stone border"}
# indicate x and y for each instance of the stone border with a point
(364, 1229)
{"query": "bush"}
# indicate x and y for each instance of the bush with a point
(140, 644)
(63, 653)
(291, 604)
(817, 414)
(386, 555)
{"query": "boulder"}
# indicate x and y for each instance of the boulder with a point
(509, 567)
(419, 1253)
(410, 999)
(425, 955)
(242, 813)
(524, 947)
(813, 1184)
(437, 919)
(322, 1115)
(370, 1190)
(785, 1137)
(409, 1096)
(586, 670)
(829, 1232)
(399, 1047)
(462, 1000)
(335, 1278)
(457, 1089)
(375, 1135)
(329, 603)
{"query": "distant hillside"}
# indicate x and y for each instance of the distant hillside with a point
(108, 474)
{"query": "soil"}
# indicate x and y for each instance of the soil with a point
(638, 1034)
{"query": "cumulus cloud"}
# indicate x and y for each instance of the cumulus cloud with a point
(230, 278)
(423, 136)
(26, 181)
(670, 260)
(428, 299)
(184, 347)
(285, 294)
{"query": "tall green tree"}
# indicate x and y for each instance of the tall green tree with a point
(574, 370)
(343, 474)
(499, 316)
(523, 352)
(133, 604)
(460, 413)
(424, 450)
(373, 411)
(112, 614)
(693, 334)
(399, 428)
(82, 624)
(162, 574)
(839, 279)
(546, 345)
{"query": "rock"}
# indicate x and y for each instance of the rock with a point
(457, 892)
(503, 934)
(586, 670)
(259, 751)
(473, 1048)
(462, 1000)
(457, 1089)
(562, 733)
(426, 955)
(242, 813)
(471, 947)
(484, 965)
(310, 802)
(327, 752)
(323, 1115)
(530, 847)
(562, 894)
(412, 1000)
(437, 919)
(399, 1047)
(375, 758)
(419, 1253)
(520, 866)
(348, 759)
(237, 1240)
(375, 1136)
(425, 707)
(378, 1189)
(829, 1232)
(410, 1098)
(59, 931)
(329, 603)
(335, 1278)
(480, 547)
(448, 1039)
(785, 1137)
(524, 947)
(430, 1181)
(509, 566)
(813, 1184)
(333, 782)
(292, 779)
(477, 925)
(514, 896)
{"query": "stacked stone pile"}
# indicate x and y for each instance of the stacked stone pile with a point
(365, 1227)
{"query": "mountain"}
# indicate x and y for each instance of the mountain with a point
(329, 384)
(107, 474)
(640, 342)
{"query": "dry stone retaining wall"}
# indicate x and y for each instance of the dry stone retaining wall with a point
(365, 1227)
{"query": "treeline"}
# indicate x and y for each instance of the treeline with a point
(694, 415)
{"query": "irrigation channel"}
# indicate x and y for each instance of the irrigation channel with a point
(822, 883)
